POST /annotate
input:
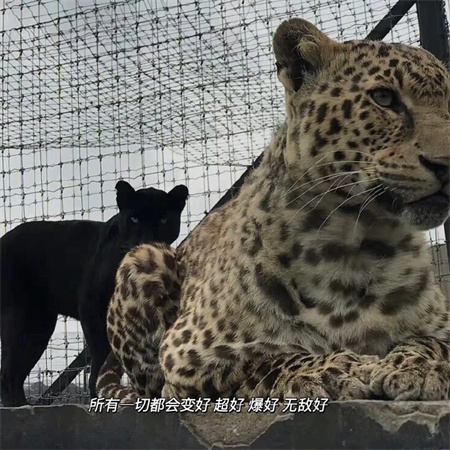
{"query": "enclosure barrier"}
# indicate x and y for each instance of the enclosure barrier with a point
(353, 424)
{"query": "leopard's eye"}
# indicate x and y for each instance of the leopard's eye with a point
(164, 220)
(383, 97)
(134, 219)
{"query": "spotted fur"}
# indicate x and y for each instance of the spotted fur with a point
(315, 280)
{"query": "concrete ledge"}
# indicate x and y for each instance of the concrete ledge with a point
(353, 424)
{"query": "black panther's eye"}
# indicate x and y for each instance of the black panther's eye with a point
(134, 219)
(164, 220)
(384, 97)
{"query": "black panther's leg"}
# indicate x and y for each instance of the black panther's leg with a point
(99, 348)
(24, 338)
(93, 323)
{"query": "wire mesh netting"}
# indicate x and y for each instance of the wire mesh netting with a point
(153, 92)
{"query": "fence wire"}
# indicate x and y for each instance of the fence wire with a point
(153, 92)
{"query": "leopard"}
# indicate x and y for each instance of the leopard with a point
(315, 280)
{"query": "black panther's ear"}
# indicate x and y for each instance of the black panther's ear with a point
(178, 196)
(124, 195)
(300, 48)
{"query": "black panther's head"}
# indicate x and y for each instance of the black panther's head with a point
(149, 215)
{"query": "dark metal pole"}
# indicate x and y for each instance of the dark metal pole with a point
(433, 27)
(390, 20)
(65, 378)
(434, 37)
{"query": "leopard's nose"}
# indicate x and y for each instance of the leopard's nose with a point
(439, 165)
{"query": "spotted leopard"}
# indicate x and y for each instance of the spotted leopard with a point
(315, 280)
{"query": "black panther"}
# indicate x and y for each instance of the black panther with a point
(68, 268)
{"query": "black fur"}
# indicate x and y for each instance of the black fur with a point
(68, 267)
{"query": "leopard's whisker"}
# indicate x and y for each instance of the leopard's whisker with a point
(320, 181)
(366, 203)
(342, 203)
(322, 195)
(294, 185)
(353, 184)
(305, 173)
(334, 162)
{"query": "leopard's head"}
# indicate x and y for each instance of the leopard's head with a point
(367, 121)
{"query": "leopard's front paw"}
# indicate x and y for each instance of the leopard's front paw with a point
(330, 383)
(411, 377)
(347, 375)
(340, 376)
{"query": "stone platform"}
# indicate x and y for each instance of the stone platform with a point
(343, 425)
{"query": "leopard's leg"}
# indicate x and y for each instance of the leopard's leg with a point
(108, 383)
(144, 305)
(338, 376)
(415, 370)
(252, 371)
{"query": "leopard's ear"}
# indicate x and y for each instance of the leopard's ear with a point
(300, 48)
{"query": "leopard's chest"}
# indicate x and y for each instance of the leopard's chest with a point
(341, 288)
(363, 297)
